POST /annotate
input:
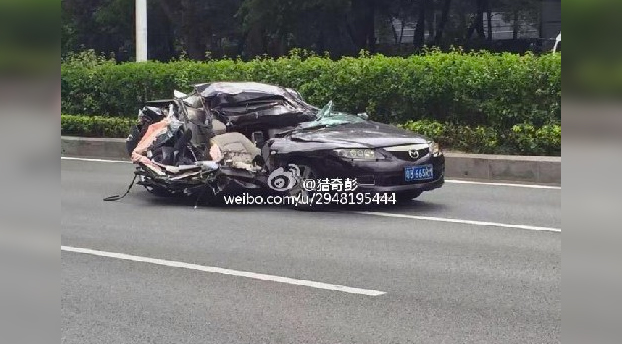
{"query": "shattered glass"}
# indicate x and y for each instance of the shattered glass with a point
(327, 117)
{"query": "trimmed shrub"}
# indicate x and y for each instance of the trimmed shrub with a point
(524, 139)
(476, 89)
(95, 126)
(546, 140)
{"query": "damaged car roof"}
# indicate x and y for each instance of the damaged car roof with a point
(233, 93)
(246, 103)
(214, 89)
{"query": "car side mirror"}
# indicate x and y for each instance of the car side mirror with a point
(363, 115)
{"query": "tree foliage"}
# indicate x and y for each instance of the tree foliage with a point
(203, 29)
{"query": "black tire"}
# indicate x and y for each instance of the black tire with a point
(407, 197)
(306, 172)
(213, 200)
(160, 192)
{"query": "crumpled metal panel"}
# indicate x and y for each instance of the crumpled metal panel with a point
(251, 103)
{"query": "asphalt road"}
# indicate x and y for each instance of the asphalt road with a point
(468, 263)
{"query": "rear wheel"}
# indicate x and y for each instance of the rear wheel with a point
(300, 193)
(406, 197)
(154, 189)
(160, 192)
(210, 199)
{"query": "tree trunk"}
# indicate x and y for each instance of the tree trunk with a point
(320, 45)
(470, 31)
(371, 27)
(161, 38)
(356, 24)
(397, 37)
(516, 26)
(191, 37)
(242, 43)
(394, 31)
(430, 19)
(168, 9)
(419, 38)
(478, 23)
(489, 21)
(264, 41)
(352, 35)
(193, 46)
(443, 22)
(402, 30)
(215, 48)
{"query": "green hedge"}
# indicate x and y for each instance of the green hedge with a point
(495, 90)
(521, 139)
(95, 126)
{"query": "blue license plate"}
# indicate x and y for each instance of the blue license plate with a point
(415, 173)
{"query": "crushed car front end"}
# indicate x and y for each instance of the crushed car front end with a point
(400, 169)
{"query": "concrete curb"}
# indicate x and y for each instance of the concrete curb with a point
(528, 169)
(93, 148)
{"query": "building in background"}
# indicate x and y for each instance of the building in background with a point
(534, 28)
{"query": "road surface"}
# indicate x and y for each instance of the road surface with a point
(469, 263)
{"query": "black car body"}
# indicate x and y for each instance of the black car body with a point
(287, 131)
(395, 150)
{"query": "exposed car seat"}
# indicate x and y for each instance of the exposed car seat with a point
(218, 127)
(238, 149)
(200, 134)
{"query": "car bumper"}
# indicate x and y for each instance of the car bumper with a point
(426, 186)
(386, 176)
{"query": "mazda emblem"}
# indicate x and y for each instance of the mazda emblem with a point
(414, 154)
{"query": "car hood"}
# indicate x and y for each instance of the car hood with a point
(364, 134)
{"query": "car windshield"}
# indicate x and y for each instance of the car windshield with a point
(327, 117)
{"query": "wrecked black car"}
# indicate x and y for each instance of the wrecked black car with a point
(230, 136)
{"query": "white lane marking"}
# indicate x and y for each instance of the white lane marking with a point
(263, 277)
(449, 181)
(466, 222)
(528, 186)
(95, 160)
